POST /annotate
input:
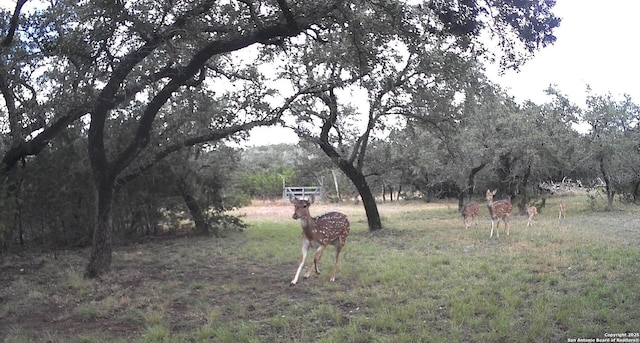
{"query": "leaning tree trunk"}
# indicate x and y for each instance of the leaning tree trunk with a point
(368, 200)
(201, 224)
(352, 172)
(360, 182)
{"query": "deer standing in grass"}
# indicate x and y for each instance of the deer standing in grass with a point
(562, 210)
(532, 211)
(470, 211)
(329, 228)
(498, 210)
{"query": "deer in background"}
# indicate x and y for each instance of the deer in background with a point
(470, 211)
(498, 210)
(562, 210)
(329, 228)
(532, 211)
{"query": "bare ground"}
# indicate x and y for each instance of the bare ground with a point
(50, 302)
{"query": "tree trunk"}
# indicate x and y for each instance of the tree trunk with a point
(471, 181)
(524, 195)
(608, 185)
(368, 200)
(504, 171)
(335, 182)
(195, 209)
(100, 260)
(359, 181)
(346, 165)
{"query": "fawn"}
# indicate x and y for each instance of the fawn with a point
(330, 228)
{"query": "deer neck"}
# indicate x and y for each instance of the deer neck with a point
(308, 225)
(490, 206)
(307, 222)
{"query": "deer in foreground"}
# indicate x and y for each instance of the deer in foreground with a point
(532, 211)
(498, 210)
(562, 210)
(470, 211)
(329, 228)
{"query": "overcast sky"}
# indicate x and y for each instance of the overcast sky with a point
(596, 45)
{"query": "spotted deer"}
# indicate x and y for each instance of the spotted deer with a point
(470, 211)
(498, 210)
(562, 207)
(532, 211)
(329, 228)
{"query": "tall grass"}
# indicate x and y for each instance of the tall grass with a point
(424, 278)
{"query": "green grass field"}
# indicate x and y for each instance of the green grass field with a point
(424, 278)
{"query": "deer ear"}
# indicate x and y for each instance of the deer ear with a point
(292, 199)
(312, 199)
(495, 191)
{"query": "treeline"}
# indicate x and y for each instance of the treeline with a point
(510, 147)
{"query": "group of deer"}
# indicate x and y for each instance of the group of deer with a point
(333, 228)
(501, 211)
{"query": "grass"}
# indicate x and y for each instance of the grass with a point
(423, 278)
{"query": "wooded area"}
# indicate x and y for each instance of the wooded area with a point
(117, 113)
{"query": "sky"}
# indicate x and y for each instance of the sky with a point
(596, 46)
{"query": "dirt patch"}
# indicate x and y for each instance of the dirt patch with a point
(48, 295)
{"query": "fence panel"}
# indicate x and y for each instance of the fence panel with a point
(301, 192)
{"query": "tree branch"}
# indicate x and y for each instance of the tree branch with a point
(13, 24)
(39, 142)
(215, 135)
(288, 16)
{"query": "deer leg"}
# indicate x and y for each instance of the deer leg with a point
(491, 235)
(316, 258)
(335, 262)
(305, 248)
(506, 224)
